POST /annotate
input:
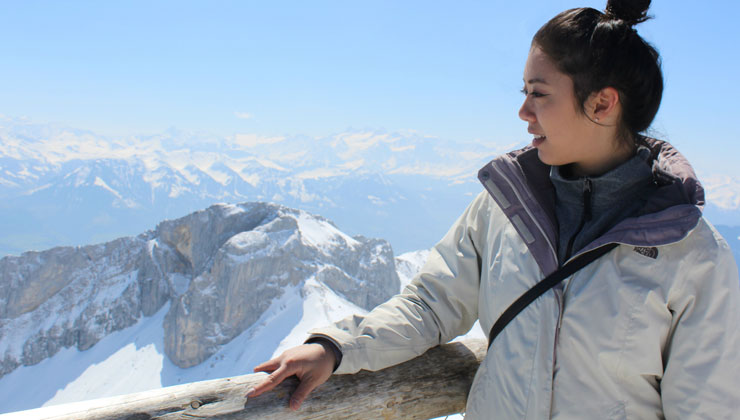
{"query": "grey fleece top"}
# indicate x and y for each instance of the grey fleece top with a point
(588, 207)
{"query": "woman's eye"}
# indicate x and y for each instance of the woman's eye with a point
(534, 93)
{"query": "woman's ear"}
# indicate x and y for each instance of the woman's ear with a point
(604, 106)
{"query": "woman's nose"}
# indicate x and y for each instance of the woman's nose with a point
(525, 113)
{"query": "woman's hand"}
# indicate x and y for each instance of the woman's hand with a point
(312, 363)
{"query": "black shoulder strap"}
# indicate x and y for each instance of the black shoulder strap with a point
(546, 284)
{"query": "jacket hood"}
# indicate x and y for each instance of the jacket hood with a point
(673, 173)
(519, 183)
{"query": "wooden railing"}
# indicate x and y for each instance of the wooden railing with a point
(432, 385)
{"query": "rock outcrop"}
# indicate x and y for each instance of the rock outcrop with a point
(219, 269)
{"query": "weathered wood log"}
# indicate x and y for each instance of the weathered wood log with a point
(432, 385)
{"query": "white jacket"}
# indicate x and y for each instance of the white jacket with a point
(648, 331)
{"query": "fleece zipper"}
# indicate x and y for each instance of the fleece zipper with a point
(561, 288)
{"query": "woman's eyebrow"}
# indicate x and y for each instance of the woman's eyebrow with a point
(537, 80)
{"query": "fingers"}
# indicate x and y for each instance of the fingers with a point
(320, 373)
(274, 379)
(311, 363)
(305, 387)
(268, 366)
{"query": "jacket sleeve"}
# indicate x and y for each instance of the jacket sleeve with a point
(437, 306)
(701, 378)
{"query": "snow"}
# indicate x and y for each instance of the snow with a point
(219, 176)
(100, 183)
(51, 145)
(251, 244)
(408, 264)
(113, 288)
(321, 306)
(251, 179)
(253, 140)
(177, 191)
(80, 375)
(82, 175)
(270, 164)
(322, 234)
(399, 149)
(377, 201)
(35, 190)
(723, 191)
(231, 209)
(320, 173)
(132, 366)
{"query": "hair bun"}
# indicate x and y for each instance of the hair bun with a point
(630, 12)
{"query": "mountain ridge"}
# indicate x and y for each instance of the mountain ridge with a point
(218, 270)
(54, 177)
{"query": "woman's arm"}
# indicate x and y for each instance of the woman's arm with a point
(702, 358)
(440, 304)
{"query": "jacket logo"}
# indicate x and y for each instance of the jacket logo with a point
(650, 252)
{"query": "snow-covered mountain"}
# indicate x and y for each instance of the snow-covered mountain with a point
(207, 295)
(63, 186)
(723, 199)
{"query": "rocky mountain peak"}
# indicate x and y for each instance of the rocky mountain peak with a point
(218, 268)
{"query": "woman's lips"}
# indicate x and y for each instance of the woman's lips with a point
(538, 140)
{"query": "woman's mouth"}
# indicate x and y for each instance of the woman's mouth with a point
(538, 140)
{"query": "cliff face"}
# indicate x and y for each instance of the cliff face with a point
(219, 268)
(241, 270)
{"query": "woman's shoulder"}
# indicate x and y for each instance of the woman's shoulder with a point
(705, 235)
(705, 258)
(707, 239)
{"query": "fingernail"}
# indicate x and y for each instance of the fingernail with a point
(250, 392)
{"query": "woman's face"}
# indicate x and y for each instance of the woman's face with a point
(562, 133)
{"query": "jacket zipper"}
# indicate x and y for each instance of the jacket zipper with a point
(563, 287)
(587, 190)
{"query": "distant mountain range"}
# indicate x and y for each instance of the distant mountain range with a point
(64, 186)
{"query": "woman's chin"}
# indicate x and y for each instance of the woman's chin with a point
(544, 158)
(548, 159)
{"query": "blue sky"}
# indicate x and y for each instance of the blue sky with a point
(447, 69)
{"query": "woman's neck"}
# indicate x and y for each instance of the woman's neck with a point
(610, 161)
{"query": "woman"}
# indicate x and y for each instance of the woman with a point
(649, 330)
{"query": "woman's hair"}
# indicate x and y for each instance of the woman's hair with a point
(599, 50)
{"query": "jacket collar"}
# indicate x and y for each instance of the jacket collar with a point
(519, 183)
